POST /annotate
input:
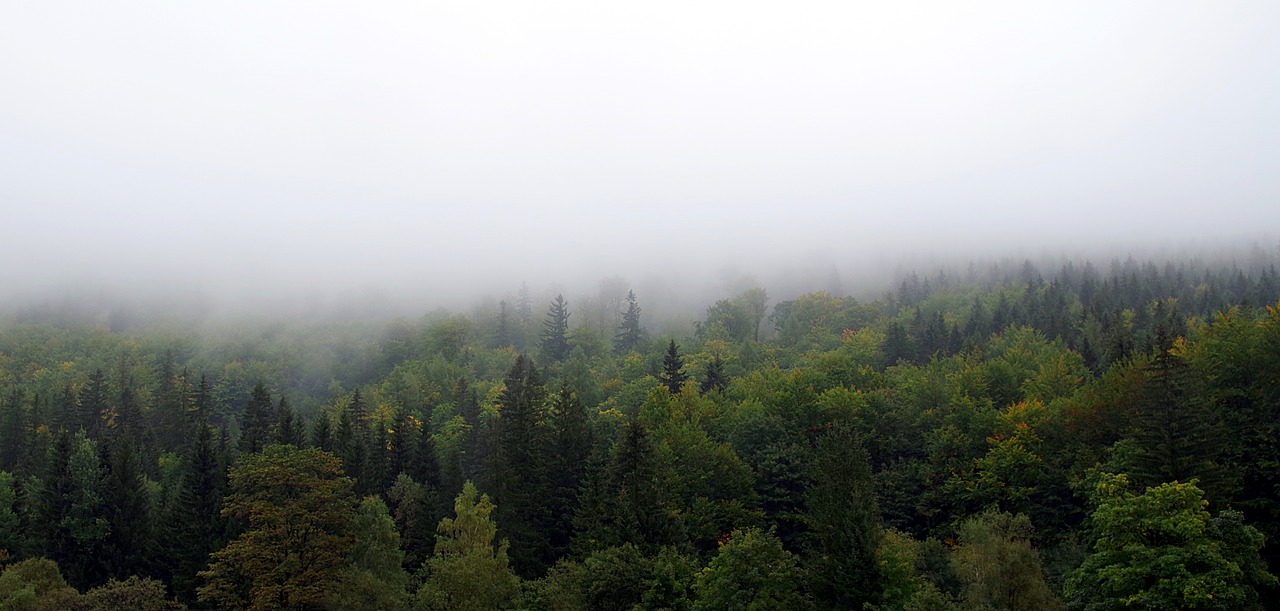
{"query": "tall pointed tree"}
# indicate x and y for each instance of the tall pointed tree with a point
(256, 428)
(555, 330)
(844, 523)
(672, 375)
(521, 483)
(629, 332)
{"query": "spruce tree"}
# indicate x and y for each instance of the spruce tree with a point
(714, 379)
(672, 375)
(521, 479)
(13, 429)
(555, 330)
(93, 404)
(126, 506)
(255, 431)
(629, 332)
(843, 519)
(572, 443)
(289, 429)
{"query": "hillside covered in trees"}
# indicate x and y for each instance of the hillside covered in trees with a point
(1088, 436)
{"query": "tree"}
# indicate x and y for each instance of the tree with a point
(375, 578)
(36, 584)
(93, 403)
(127, 508)
(1163, 550)
(297, 509)
(256, 428)
(844, 523)
(999, 567)
(135, 593)
(629, 332)
(750, 571)
(630, 501)
(571, 441)
(468, 571)
(555, 330)
(289, 429)
(198, 528)
(521, 475)
(672, 375)
(756, 302)
(714, 379)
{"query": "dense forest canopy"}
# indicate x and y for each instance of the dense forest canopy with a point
(1005, 435)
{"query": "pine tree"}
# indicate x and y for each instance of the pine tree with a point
(555, 330)
(672, 375)
(628, 501)
(629, 332)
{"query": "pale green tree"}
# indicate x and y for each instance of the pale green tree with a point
(468, 571)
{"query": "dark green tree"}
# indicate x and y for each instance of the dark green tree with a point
(555, 330)
(844, 523)
(672, 375)
(127, 509)
(255, 430)
(629, 331)
(629, 501)
(289, 429)
(714, 379)
(93, 404)
(572, 442)
(521, 477)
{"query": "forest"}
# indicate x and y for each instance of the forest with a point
(1013, 436)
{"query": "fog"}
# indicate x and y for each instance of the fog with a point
(418, 154)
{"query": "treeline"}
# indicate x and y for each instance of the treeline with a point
(1005, 439)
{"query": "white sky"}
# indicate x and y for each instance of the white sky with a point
(417, 141)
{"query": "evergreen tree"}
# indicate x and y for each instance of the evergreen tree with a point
(629, 501)
(672, 375)
(256, 428)
(93, 404)
(289, 429)
(522, 483)
(714, 379)
(201, 400)
(322, 434)
(126, 506)
(502, 337)
(844, 523)
(1176, 433)
(572, 443)
(198, 528)
(555, 330)
(416, 509)
(169, 410)
(13, 429)
(629, 332)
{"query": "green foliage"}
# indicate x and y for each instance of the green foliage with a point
(468, 572)
(297, 509)
(134, 593)
(844, 523)
(1162, 549)
(555, 330)
(751, 571)
(998, 565)
(375, 578)
(35, 584)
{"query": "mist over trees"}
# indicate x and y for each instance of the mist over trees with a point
(1003, 435)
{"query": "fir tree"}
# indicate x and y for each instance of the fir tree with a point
(289, 429)
(521, 478)
(93, 404)
(672, 375)
(629, 332)
(844, 523)
(555, 330)
(714, 379)
(572, 443)
(254, 433)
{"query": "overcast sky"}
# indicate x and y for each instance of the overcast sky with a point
(419, 142)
